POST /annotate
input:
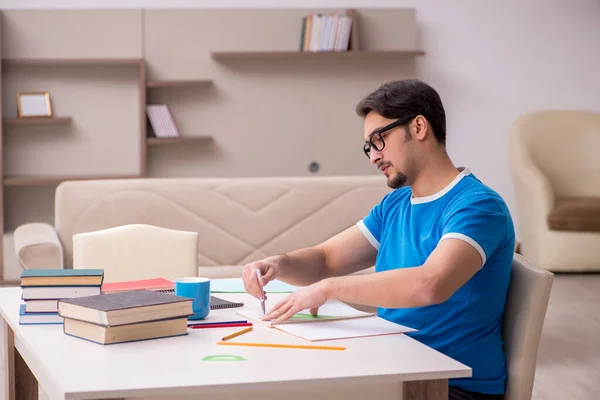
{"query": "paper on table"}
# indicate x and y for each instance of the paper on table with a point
(344, 329)
(332, 310)
(236, 285)
(336, 321)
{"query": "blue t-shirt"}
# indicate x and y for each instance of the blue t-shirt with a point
(467, 326)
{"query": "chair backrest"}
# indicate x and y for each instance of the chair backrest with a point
(137, 251)
(526, 305)
(564, 145)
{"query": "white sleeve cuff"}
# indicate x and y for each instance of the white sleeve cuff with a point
(363, 228)
(468, 240)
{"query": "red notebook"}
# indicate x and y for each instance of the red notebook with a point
(156, 284)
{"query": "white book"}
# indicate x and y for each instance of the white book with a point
(58, 292)
(336, 320)
(42, 306)
(161, 121)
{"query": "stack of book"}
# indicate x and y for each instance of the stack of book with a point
(125, 316)
(43, 288)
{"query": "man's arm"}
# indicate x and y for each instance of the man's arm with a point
(343, 254)
(449, 266)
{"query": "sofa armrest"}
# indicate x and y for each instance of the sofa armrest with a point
(37, 246)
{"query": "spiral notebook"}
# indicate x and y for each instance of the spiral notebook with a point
(217, 303)
(336, 320)
(155, 284)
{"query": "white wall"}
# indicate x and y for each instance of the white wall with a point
(490, 60)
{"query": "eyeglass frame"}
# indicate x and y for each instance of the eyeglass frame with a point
(378, 132)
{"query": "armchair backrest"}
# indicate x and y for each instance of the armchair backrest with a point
(526, 305)
(564, 145)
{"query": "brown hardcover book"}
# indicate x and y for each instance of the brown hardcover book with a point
(125, 333)
(112, 309)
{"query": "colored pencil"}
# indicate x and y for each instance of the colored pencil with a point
(190, 323)
(219, 326)
(284, 346)
(236, 334)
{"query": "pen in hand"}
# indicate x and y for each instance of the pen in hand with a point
(262, 299)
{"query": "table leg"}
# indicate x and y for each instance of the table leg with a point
(7, 362)
(436, 389)
(26, 385)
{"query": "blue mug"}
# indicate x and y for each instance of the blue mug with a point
(198, 289)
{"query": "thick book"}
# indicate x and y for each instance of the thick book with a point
(62, 277)
(126, 333)
(112, 309)
(335, 320)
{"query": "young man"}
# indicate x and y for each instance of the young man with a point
(442, 244)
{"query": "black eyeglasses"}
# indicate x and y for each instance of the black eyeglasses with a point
(376, 139)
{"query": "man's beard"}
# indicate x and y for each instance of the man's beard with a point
(398, 180)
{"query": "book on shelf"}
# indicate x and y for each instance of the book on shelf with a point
(335, 320)
(325, 32)
(161, 121)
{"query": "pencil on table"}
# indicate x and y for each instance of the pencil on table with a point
(237, 334)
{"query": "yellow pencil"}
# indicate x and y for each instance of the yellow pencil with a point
(237, 334)
(284, 346)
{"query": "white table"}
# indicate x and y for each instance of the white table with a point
(70, 368)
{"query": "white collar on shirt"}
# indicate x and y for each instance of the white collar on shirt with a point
(464, 171)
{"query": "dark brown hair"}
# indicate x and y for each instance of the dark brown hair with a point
(403, 98)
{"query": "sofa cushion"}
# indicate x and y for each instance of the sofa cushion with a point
(576, 214)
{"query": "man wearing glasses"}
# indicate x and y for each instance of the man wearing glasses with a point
(442, 244)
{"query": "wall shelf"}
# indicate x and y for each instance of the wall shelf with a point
(37, 121)
(366, 54)
(38, 180)
(178, 83)
(184, 139)
(71, 61)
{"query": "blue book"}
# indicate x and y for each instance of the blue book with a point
(62, 277)
(35, 318)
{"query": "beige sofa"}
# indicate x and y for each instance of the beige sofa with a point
(238, 220)
(555, 166)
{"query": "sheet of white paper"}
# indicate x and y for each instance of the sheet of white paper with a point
(236, 285)
(349, 328)
(332, 308)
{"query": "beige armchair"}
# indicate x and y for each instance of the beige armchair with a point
(137, 251)
(525, 311)
(555, 163)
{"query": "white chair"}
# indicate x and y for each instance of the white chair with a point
(137, 251)
(524, 315)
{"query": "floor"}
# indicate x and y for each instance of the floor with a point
(569, 353)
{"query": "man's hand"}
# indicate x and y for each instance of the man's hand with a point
(312, 297)
(269, 268)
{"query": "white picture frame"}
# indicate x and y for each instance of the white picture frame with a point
(34, 105)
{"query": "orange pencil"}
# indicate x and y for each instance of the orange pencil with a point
(283, 346)
(237, 334)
